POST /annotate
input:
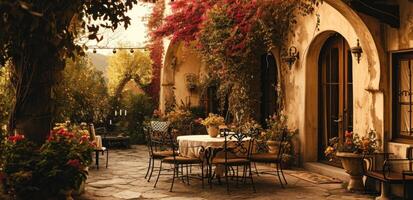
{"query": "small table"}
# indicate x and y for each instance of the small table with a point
(116, 141)
(191, 145)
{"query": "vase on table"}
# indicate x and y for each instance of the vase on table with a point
(213, 131)
(353, 164)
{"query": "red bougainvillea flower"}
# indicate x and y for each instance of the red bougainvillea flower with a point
(16, 138)
(74, 163)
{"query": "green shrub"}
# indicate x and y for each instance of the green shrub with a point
(46, 172)
(140, 108)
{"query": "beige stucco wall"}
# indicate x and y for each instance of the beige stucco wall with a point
(301, 82)
(180, 60)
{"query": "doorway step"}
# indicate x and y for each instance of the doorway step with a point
(327, 170)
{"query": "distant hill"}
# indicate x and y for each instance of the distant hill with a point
(100, 61)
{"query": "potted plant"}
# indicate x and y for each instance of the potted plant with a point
(180, 119)
(276, 124)
(351, 153)
(212, 122)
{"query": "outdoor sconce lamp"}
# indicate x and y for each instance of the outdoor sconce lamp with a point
(131, 51)
(94, 50)
(114, 51)
(291, 56)
(357, 50)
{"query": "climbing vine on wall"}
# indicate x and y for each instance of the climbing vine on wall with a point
(156, 49)
(231, 35)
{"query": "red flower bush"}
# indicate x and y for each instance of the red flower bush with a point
(16, 138)
(74, 163)
(36, 172)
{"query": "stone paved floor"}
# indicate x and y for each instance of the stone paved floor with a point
(124, 179)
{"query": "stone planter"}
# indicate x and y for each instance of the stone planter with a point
(213, 131)
(353, 165)
(273, 146)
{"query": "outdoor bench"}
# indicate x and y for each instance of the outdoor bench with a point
(387, 176)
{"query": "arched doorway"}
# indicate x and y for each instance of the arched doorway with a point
(335, 84)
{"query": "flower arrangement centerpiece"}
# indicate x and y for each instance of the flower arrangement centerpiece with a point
(52, 170)
(212, 122)
(351, 152)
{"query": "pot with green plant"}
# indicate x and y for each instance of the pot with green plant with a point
(212, 122)
(351, 152)
(276, 125)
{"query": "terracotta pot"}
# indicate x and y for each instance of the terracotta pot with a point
(213, 131)
(353, 165)
(273, 146)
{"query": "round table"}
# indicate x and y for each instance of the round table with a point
(190, 145)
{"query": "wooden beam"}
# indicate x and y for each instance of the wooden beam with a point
(385, 12)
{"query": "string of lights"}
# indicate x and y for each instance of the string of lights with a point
(115, 49)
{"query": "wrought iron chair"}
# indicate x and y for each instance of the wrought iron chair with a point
(156, 136)
(237, 153)
(263, 156)
(178, 162)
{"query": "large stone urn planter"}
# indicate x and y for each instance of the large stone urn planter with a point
(213, 131)
(353, 164)
(273, 146)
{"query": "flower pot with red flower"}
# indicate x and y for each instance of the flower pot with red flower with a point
(351, 153)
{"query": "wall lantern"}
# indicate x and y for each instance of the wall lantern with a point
(356, 51)
(94, 50)
(131, 50)
(292, 56)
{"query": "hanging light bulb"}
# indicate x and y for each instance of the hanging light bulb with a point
(114, 50)
(94, 50)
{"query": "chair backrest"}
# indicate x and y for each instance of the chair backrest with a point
(260, 145)
(161, 126)
(147, 132)
(282, 144)
(157, 136)
(171, 142)
(237, 144)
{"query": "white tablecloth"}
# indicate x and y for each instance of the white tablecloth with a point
(190, 145)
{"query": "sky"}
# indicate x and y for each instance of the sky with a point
(134, 36)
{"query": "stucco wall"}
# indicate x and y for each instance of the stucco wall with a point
(180, 61)
(301, 83)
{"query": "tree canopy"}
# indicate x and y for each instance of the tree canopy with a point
(83, 95)
(37, 37)
(125, 66)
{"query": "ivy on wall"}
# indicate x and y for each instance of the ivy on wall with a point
(230, 35)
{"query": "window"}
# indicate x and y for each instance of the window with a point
(403, 95)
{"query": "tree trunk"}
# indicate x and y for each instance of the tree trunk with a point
(33, 79)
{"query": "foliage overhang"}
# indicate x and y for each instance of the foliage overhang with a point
(231, 35)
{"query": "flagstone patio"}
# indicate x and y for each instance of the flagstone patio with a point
(124, 179)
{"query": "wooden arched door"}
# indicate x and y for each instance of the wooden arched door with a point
(335, 93)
